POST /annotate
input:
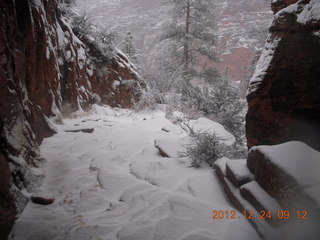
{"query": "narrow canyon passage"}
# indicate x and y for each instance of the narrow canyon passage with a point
(113, 184)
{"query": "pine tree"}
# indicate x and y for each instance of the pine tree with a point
(192, 31)
(128, 47)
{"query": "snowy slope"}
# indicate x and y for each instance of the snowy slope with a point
(113, 184)
(143, 17)
(240, 22)
(242, 26)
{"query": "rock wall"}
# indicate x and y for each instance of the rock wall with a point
(284, 92)
(44, 67)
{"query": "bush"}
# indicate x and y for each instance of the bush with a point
(161, 75)
(206, 149)
(148, 100)
(221, 103)
(99, 41)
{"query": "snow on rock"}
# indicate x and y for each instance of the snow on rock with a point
(263, 63)
(310, 14)
(293, 167)
(304, 15)
(238, 172)
(266, 230)
(266, 202)
(282, 93)
(295, 158)
(112, 184)
(203, 125)
(221, 164)
(172, 146)
(178, 116)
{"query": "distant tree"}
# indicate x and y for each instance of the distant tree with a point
(129, 48)
(192, 31)
(162, 75)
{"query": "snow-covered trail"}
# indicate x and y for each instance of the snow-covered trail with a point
(113, 184)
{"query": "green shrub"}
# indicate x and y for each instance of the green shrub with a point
(206, 149)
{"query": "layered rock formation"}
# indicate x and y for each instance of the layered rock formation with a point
(284, 93)
(43, 67)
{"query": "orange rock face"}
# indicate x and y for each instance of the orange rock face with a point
(284, 96)
(235, 63)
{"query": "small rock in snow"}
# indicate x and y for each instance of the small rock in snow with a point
(42, 200)
(85, 130)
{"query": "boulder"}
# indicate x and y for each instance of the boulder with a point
(284, 92)
(172, 147)
(238, 172)
(205, 125)
(289, 172)
(42, 200)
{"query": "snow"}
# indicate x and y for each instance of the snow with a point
(263, 63)
(267, 230)
(221, 163)
(298, 160)
(310, 13)
(172, 145)
(115, 84)
(317, 33)
(306, 13)
(177, 116)
(112, 184)
(202, 125)
(173, 129)
(81, 57)
(268, 202)
(239, 169)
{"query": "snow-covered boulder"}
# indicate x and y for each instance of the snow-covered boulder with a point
(205, 125)
(290, 172)
(238, 172)
(260, 199)
(172, 147)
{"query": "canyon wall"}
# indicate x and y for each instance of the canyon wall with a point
(45, 68)
(284, 113)
(284, 92)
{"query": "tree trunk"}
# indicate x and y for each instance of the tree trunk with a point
(186, 44)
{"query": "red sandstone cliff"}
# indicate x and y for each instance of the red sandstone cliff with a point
(284, 105)
(44, 66)
(284, 93)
